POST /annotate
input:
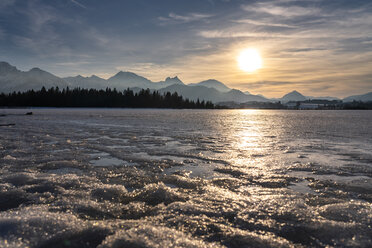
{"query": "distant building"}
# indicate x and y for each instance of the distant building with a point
(291, 105)
(305, 105)
(314, 104)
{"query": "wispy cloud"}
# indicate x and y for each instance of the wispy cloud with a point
(273, 8)
(261, 23)
(236, 34)
(73, 63)
(78, 4)
(191, 17)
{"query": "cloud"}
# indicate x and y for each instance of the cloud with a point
(40, 33)
(266, 83)
(184, 18)
(78, 4)
(259, 23)
(73, 63)
(272, 8)
(307, 49)
(6, 3)
(236, 34)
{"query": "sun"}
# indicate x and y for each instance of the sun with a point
(250, 60)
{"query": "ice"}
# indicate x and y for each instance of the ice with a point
(11, 198)
(20, 179)
(36, 226)
(154, 194)
(109, 192)
(348, 212)
(107, 161)
(152, 236)
(150, 178)
(9, 157)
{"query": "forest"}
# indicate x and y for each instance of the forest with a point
(109, 98)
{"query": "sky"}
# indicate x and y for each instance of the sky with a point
(317, 47)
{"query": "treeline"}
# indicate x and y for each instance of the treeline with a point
(109, 98)
(357, 105)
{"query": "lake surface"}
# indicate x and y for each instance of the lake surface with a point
(187, 178)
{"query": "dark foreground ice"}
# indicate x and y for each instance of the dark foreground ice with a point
(185, 178)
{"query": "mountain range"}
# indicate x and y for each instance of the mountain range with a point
(12, 79)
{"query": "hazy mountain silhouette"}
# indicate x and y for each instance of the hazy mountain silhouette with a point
(6, 68)
(293, 96)
(212, 83)
(210, 94)
(167, 82)
(364, 98)
(297, 96)
(123, 80)
(12, 79)
(170, 81)
(87, 82)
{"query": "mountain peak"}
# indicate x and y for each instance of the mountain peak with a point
(173, 80)
(5, 67)
(5, 64)
(293, 93)
(125, 75)
(364, 98)
(213, 83)
(37, 70)
(126, 79)
(211, 80)
(293, 96)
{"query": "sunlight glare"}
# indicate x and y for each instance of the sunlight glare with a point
(250, 60)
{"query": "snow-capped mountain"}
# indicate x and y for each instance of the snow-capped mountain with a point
(297, 96)
(87, 82)
(167, 82)
(123, 80)
(364, 98)
(293, 96)
(212, 83)
(12, 79)
(210, 94)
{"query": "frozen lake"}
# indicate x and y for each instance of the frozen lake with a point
(188, 178)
